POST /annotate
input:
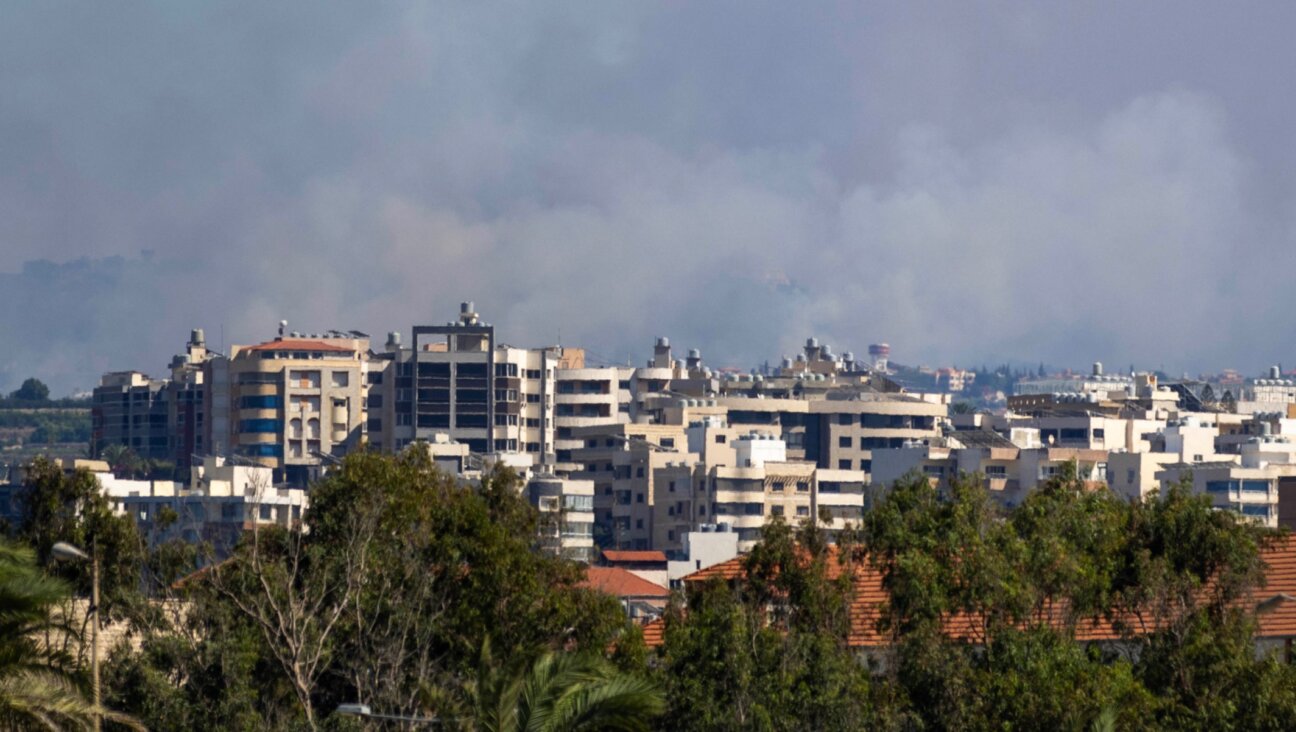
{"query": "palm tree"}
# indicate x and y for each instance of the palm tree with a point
(562, 692)
(35, 691)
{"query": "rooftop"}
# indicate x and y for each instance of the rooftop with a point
(617, 555)
(294, 344)
(622, 583)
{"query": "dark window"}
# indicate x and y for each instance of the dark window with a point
(426, 370)
(720, 439)
(668, 442)
(845, 442)
(433, 420)
(843, 464)
(265, 401)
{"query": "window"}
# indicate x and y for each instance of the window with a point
(533, 398)
(639, 472)
(639, 498)
(1221, 486)
(776, 510)
(845, 442)
(341, 379)
(996, 471)
(803, 486)
(803, 510)
(668, 442)
(267, 401)
(670, 536)
(720, 439)
(265, 512)
(671, 487)
(1257, 511)
(845, 419)
(866, 465)
(843, 465)
(639, 524)
(260, 426)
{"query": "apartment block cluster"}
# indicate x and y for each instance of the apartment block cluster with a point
(652, 458)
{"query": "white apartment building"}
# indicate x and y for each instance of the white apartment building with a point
(566, 515)
(587, 397)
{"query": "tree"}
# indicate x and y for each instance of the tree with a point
(385, 600)
(123, 461)
(36, 689)
(560, 692)
(772, 652)
(32, 390)
(58, 505)
(986, 608)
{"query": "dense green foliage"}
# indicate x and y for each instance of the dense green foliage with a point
(39, 687)
(421, 596)
(986, 621)
(46, 426)
(388, 599)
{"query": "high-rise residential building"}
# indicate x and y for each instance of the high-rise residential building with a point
(566, 509)
(129, 408)
(456, 380)
(294, 402)
(586, 397)
(622, 461)
(158, 419)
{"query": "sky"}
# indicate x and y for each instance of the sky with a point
(969, 182)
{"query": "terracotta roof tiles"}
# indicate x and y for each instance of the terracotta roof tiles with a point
(1278, 620)
(621, 555)
(621, 583)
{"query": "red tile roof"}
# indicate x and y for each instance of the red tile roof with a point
(618, 555)
(654, 632)
(621, 583)
(1277, 620)
(300, 345)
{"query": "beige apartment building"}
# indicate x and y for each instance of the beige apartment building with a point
(295, 402)
(586, 397)
(622, 460)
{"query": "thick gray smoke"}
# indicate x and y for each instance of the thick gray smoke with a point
(965, 183)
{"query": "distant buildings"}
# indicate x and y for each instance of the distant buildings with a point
(676, 457)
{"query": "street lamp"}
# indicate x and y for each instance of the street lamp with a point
(364, 712)
(65, 552)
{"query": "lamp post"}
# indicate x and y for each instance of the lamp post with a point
(364, 712)
(65, 552)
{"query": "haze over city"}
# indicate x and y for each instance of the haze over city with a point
(970, 184)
